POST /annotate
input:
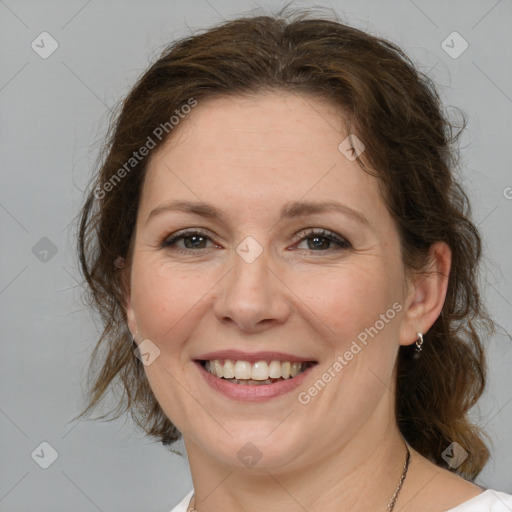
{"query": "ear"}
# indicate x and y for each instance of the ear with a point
(426, 294)
(127, 298)
(130, 318)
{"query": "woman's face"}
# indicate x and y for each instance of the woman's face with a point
(265, 268)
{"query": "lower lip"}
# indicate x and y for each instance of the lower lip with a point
(255, 392)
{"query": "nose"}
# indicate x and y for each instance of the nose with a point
(251, 296)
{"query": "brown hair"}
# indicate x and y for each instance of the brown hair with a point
(395, 110)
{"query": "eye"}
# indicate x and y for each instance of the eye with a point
(321, 240)
(317, 240)
(192, 239)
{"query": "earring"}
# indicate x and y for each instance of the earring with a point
(419, 343)
(119, 262)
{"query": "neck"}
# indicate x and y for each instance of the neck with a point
(361, 476)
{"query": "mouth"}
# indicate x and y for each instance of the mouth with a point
(255, 373)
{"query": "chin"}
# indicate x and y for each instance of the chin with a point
(256, 450)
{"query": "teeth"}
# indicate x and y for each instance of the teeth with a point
(260, 371)
(218, 368)
(227, 371)
(274, 370)
(295, 369)
(242, 370)
(246, 373)
(286, 370)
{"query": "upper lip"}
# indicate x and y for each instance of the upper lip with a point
(252, 357)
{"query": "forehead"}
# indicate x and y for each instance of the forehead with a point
(262, 149)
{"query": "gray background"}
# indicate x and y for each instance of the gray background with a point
(54, 114)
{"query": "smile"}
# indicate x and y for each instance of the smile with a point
(253, 382)
(257, 373)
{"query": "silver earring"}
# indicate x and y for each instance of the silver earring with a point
(419, 343)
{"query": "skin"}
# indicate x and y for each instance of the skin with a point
(248, 157)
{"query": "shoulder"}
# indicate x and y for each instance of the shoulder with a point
(435, 489)
(183, 504)
(488, 501)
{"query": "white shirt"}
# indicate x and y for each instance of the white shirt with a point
(487, 501)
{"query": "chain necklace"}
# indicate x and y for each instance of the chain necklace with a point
(391, 505)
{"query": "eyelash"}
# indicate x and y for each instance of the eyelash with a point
(169, 242)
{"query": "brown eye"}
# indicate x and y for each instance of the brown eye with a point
(192, 240)
(322, 241)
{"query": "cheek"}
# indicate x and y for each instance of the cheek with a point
(169, 300)
(349, 301)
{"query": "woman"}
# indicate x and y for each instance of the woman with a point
(286, 269)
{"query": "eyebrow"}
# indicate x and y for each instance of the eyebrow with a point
(290, 210)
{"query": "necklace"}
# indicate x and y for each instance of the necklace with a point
(391, 505)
